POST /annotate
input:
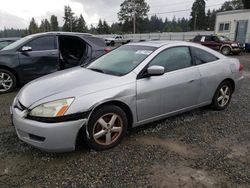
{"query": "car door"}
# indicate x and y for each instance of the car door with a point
(211, 73)
(40, 57)
(177, 89)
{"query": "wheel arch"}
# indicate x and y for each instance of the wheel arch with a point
(231, 81)
(121, 105)
(225, 45)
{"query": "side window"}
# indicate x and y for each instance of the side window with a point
(173, 59)
(208, 38)
(42, 43)
(200, 56)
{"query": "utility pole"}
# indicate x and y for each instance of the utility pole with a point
(134, 17)
(195, 20)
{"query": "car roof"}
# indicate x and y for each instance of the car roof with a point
(62, 33)
(9, 39)
(159, 43)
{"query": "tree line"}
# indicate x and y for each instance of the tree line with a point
(133, 13)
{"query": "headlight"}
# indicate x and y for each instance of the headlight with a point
(52, 109)
(234, 45)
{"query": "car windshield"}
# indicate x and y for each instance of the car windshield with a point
(224, 38)
(121, 61)
(17, 43)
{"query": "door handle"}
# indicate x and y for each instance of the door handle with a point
(52, 53)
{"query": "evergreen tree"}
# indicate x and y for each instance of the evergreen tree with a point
(54, 23)
(81, 25)
(106, 28)
(69, 19)
(99, 28)
(198, 15)
(33, 27)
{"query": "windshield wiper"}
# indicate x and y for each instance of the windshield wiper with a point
(97, 70)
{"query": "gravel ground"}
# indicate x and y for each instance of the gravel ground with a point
(201, 148)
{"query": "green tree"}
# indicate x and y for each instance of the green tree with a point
(130, 9)
(45, 26)
(106, 28)
(198, 15)
(81, 25)
(54, 23)
(69, 20)
(33, 27)
(232, 5)
(99, 28)
(246, 4)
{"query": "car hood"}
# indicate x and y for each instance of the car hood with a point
(74, 82)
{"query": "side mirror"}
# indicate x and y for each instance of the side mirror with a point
(155, 70)
(26, 49)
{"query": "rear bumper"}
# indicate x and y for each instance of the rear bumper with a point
(52, 137)
(238, 83)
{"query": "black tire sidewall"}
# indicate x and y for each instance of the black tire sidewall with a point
(215, 103)
(13, 78)
(95, 116)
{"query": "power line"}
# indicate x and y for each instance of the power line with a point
(168, 12)
(183, 10)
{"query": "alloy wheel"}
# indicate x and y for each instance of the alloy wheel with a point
(224, 96)
(6, 82)
(107, 129)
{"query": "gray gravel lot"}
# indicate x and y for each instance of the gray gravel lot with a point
(201, 148)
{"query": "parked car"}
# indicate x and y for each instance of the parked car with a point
(128, 87)
(6, 41)
(117, 39)
(220, 43)
(40, 54)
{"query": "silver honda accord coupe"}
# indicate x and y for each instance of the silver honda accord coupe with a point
(128, 87)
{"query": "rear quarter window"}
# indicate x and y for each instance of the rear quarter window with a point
(201, 56)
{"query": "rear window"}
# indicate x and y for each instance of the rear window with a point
(97, 41)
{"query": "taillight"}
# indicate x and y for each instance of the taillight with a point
(241, 68)
(107, 50)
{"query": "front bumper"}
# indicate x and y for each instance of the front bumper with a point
(52, 137)
(237, 49)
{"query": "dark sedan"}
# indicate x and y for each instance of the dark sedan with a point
(40, 54)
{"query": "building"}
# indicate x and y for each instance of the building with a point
(235, 25)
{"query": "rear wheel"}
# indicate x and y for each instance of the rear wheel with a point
(222, 96)
(7, 81)
(112, 43)
(106, 128)
(226, 50)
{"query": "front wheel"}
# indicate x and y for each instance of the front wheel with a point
(106, 128)
(222, 96)
(7, 81)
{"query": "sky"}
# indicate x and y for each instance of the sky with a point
(18, 13)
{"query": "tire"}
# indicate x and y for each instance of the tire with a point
(226, 50)
(112, 43)
(8, 81)
(102, 133)
(220, 100)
